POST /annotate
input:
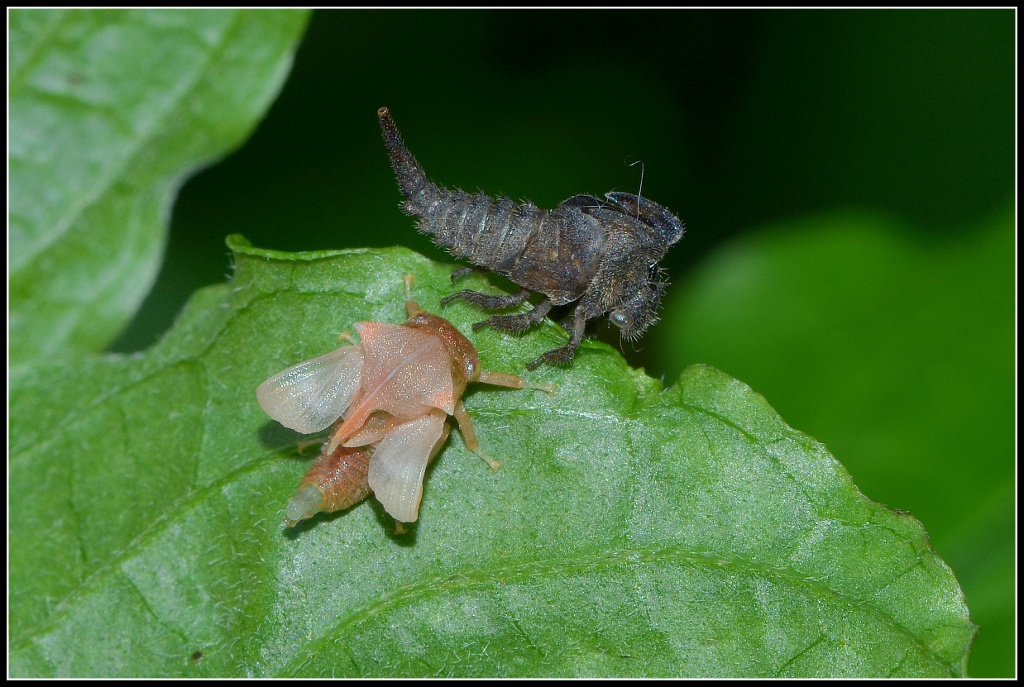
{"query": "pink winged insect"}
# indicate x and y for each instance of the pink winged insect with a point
(386, 400)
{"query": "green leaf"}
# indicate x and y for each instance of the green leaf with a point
(895, 348)
(632, 531)
(109, 112)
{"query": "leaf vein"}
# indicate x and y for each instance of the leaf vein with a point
(623, 557)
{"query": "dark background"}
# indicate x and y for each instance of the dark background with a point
(742, 119)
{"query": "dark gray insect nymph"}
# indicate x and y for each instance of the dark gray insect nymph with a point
(603, 253)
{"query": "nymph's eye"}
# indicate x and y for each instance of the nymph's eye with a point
(621, 319)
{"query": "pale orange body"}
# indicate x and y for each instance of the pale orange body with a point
(388, 399)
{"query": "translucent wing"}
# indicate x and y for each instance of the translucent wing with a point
(308, 397)
(399, 462)
(374, 429)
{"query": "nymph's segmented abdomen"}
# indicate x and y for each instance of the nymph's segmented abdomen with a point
(547, 251)
(490, 233)
(553, 252)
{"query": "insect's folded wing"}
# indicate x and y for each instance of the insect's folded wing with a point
(376, 427)
(406, 373)
(399, 462)
(308, 397)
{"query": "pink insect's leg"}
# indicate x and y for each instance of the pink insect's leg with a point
(469, 435)
(335, 440)
(346, 336)
(440, 442)
(512, 381)
(412, 308)
(303, 444)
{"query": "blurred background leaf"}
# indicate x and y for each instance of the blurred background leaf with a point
(109, 111)
(902, 119)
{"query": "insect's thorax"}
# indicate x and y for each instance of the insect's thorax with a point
(553, 252)
(561, 256)
(465, 361)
